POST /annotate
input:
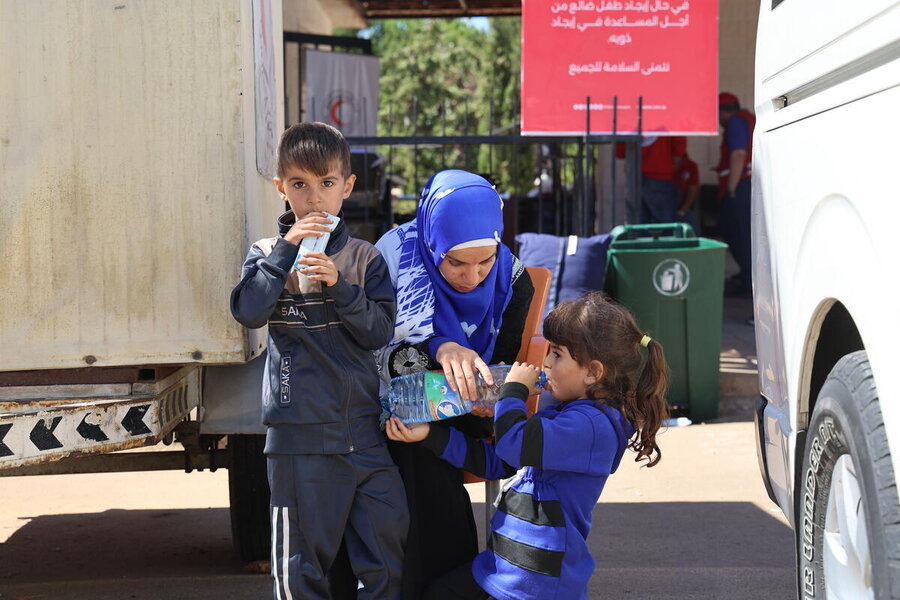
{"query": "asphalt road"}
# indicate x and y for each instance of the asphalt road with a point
(699, 525)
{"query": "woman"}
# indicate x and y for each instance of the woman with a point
(462, 300)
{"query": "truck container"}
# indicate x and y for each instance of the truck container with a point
(137, 141)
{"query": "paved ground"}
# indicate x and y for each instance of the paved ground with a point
(696, 526)
(699, 525)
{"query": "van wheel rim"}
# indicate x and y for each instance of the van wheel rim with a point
(846, 559)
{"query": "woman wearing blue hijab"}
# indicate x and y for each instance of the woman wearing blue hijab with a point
(462, 299)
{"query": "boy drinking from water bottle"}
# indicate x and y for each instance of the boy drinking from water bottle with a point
(330, 474)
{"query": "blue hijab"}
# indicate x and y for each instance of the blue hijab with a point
(457, 207)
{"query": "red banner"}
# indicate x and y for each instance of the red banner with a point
(665, 52)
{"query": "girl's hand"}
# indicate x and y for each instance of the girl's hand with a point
(523, 373)
(315, 224)
(482, 411)
(399, 432)
(320, 268)
(459, 364)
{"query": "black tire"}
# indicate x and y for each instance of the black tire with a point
(847, 420)
(248, 490)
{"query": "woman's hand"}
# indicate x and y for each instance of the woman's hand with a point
(459, 364)
(399, 432)
(523, 373)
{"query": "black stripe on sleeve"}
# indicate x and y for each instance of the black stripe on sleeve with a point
(514, 389)
(475, 460)
(505, 423)
(537, 560)
(533, 444)
(528, 508)
(437, 439)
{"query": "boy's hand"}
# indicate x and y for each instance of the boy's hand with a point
(523, 373)
(320, 268)
(399, 432)
(314, 224)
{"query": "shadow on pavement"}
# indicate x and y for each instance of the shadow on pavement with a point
(670, 550)
(689, 550)
(120, 544)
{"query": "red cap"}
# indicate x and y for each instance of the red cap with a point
(727, 98)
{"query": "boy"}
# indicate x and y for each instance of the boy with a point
(330, 473)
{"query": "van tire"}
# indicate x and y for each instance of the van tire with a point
(248, 490)
(847, 420)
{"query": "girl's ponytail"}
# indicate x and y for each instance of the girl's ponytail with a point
(648, 406)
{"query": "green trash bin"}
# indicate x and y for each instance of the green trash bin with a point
(673, 283)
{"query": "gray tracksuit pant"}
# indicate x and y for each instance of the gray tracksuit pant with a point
(320, 499)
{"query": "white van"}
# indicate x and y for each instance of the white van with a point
(826, 247)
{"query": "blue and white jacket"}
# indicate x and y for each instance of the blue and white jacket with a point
(538, 547)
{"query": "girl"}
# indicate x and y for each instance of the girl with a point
(565, 452)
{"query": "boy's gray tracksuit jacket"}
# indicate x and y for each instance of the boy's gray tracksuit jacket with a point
(320, 389)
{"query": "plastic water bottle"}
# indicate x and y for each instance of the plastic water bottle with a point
(312, 243)
(426, 396)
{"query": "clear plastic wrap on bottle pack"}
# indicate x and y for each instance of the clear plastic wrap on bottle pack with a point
(426, 396)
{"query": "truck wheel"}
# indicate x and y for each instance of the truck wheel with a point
(248, 488)
(847, 496)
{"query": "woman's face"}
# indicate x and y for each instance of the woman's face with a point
(465, 269)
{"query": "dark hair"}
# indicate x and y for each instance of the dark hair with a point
(594, 327)
(314, 147)
(730, 107)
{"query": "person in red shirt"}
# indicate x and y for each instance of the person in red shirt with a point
(687, 186)
(660, 159)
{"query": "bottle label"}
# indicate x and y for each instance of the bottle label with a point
(443, 402)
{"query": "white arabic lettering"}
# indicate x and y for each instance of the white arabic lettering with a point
(600, 66)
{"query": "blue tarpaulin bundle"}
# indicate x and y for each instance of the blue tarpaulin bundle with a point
(577, 264)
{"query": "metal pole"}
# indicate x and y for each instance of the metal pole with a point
(586, 170)
(443, 131)
(390, 165)
(640, 121)
(466, 131)
(557, 191)
(368, 191)
(490, 132)
(415, 147)
(612, 160)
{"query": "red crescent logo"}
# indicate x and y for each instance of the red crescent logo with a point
(334, 112)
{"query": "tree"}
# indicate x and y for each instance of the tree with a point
(511, 165)
(441, 76)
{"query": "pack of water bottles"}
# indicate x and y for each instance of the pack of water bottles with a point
(426, 396)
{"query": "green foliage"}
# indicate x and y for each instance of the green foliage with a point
(446, 77)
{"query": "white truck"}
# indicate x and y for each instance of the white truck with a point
(136, 148)
(826, 206)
